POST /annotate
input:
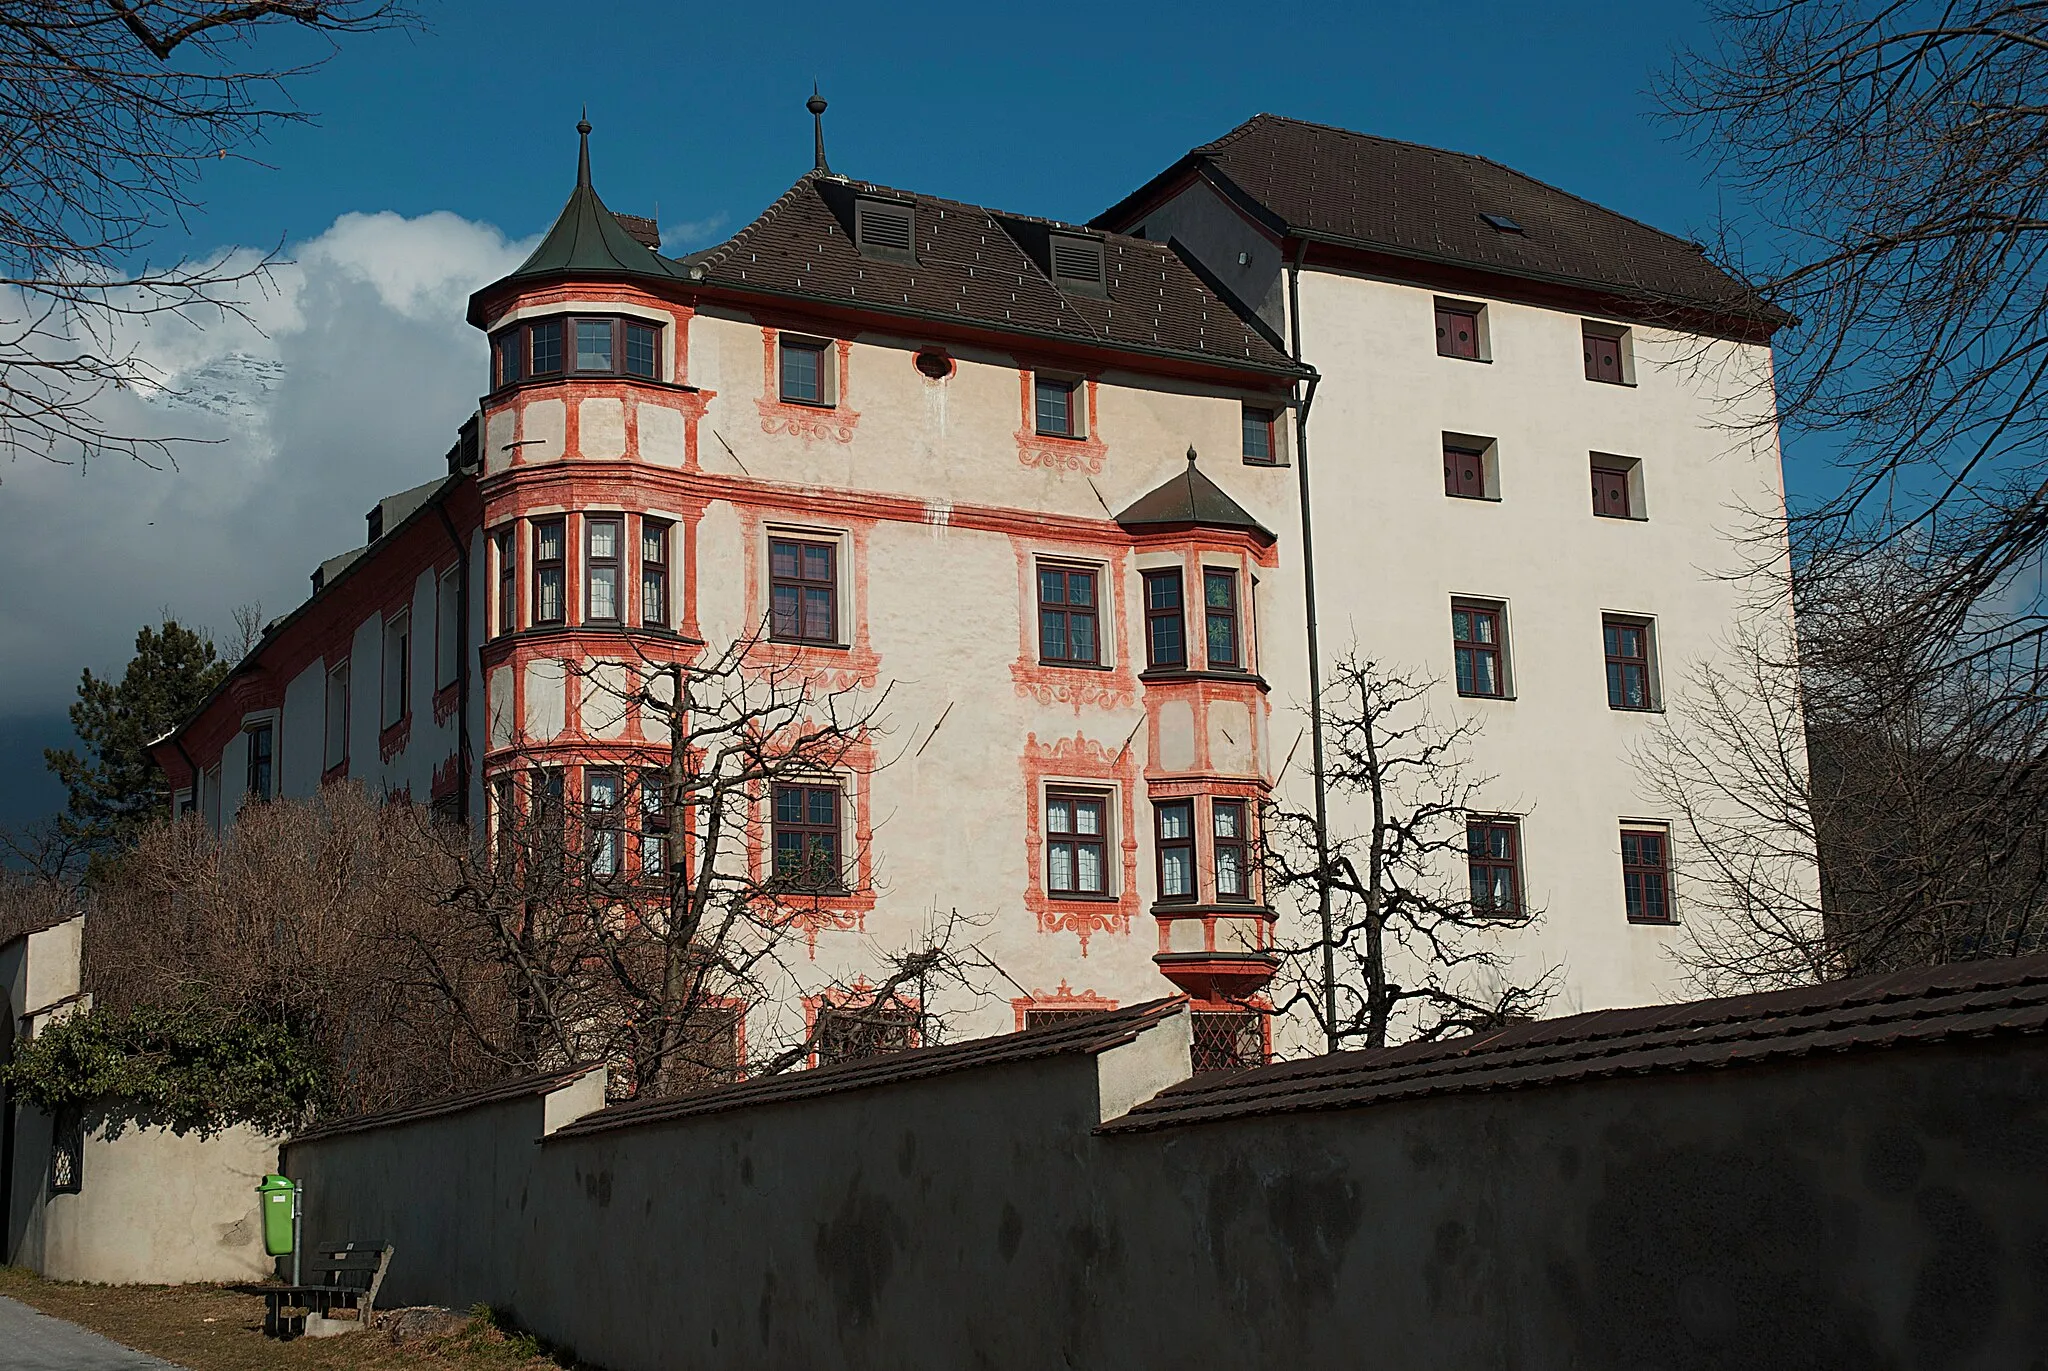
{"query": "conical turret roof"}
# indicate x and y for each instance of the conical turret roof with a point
(1188, 499)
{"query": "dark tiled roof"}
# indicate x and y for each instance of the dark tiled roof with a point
(519, 1088)
(1971, 999)
(1092, 1034)
(1189, 499)
(972, 268)
(1380, 194)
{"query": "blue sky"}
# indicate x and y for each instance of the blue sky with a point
(433, 156)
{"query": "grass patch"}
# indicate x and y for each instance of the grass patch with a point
(220, 1328)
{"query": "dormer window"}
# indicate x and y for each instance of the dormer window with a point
(1077, 263)
(885, 228)
(583, 346)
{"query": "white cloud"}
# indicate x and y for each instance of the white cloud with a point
(347, 386)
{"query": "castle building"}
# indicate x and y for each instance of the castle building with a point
(1042, 492)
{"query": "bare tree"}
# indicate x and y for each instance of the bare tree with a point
(1415, 944)
(1908, 767)
(1894, 159)
(110, 110)
(641, 921)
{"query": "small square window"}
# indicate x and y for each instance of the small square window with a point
(803, 591)
(805, 377)
(1617, 487)
(1479, 647)
(1471, 467)
(1646, 874)
(1607, 354)
(1493, 856)
(1459, 330)
(1261, 447)
(1056, 411)
(1631, 679)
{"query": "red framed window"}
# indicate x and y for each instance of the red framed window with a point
(1068, 617)
(1174, 822)
(1077, 843)
(507, 544)
(1165, 620)
(550, 577)
(803, 591)
(1477, 646)
(807, 855)
(1493, 857)
(1464, 472)
(1232, 849)
(1603, 355)
(1627, 644)
(1646, 875)
(1260, 449)
(1054, 409)
(1219, 612)
(1457, 332)
(601, 538)
(1610, 492)
(654, 573)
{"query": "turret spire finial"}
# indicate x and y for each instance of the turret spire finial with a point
(816, 105)
(1191, 454)
(583, 152)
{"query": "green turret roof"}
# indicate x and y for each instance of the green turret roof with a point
(589, 240)
(1189, 499)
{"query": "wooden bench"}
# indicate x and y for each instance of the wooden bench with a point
(346, 1276)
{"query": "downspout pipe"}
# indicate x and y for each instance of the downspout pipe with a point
(462, 668)
(1315, 660)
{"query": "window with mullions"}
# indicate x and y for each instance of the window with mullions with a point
(653, 826)
(1627, 645)
(601, 819)
(1068, 617)
(1219, 611)
(1175, 820)
(1077, 844)
(654, 573)
(1165, 623)
(802, 592)
(550, 579)
(1227, 1040)
(601, 570)
(1646, 875)
(1233, 864)
(586, 346)
(805, 380)
(1477, 649)
(1260, 445)
(508, 585)
(1493, 858)
(1054, 409)
(807, 837)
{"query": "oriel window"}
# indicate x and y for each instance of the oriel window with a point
(1068, 619)
(1219, 608)
(802, 591)
(601, 556)
(1175, 830)
(550, 583)
(594, 338)
(1233, 867)
(1076, 844)
(547, 347)
(1165, 620)
(508, 584)
(654, 573)
(601, 796)
(643, 350)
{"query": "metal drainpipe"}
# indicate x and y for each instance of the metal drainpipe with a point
(1315, 661)
(462, 671)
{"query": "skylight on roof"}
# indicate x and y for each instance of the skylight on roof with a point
(1502, 223)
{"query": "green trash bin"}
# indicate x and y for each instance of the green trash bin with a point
(276, 1195)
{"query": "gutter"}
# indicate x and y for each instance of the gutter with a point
(462, 666)
(1315, 658)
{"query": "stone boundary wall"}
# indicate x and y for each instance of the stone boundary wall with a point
(1886, 1206)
